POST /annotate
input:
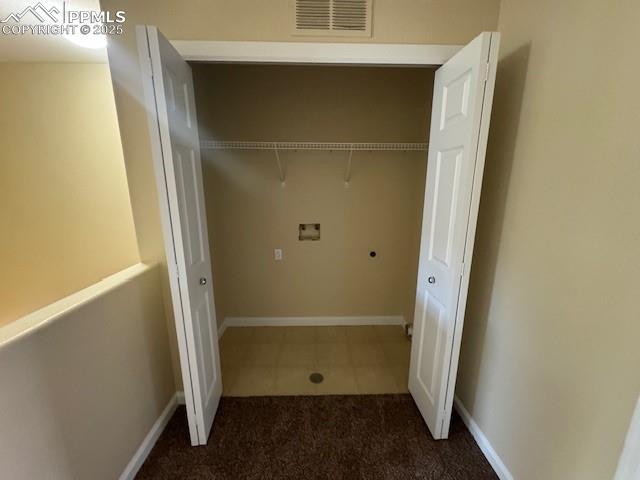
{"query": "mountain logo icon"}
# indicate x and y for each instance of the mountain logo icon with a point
(39, 11)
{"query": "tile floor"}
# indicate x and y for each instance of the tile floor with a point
(278, 360)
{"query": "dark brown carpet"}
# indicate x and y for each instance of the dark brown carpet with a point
(324, 437)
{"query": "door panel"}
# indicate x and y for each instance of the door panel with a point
(190, 207)
(206, 346)
(179, 174)
(446, 186)
(459, 124)
(428, 372)
(455, 104)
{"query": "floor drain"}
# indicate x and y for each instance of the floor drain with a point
(316, 378)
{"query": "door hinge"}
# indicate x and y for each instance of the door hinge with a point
(462, 270)
(486, 72)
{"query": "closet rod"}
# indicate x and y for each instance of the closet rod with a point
(211, 144)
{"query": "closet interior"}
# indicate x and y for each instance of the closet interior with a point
(314, 182)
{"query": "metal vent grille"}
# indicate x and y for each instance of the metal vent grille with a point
(332, 17)
(313, 14)
(350, 15)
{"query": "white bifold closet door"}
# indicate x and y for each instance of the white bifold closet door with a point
(174, 134)
(462, 97)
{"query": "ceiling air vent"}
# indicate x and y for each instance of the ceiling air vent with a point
(333, 17)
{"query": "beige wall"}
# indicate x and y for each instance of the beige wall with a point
(394, 21)
(80, 394)
(66, 216)
(250, 214)
(550, 356)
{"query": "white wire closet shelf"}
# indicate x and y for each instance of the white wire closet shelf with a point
(345, 146)
(326, 146)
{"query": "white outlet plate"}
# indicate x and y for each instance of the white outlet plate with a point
(277, 254)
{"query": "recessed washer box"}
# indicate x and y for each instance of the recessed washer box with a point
(309, 231)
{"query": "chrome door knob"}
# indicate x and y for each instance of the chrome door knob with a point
(431, 279)
(203, 281)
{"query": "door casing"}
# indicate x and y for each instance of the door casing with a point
(339, 54)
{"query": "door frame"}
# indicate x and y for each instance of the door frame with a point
(390, 54)
(354, 54)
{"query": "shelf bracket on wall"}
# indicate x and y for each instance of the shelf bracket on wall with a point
(280, 168)
(347, 175)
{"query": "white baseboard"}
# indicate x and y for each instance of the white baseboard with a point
(222, 328)
(180, 398)
(150, 440)
(308, 321)
(498, 465)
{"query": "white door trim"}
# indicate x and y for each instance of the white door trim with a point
(319, 53)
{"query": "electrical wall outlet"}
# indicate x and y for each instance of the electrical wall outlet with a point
(277, 254)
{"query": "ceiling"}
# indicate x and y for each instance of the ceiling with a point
(45, 48)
